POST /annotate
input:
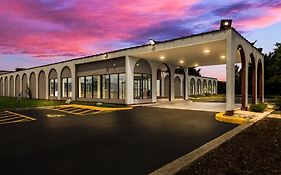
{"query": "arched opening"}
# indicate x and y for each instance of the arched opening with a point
(177, 89)
(241, 78)
(12, 89)
(199, 87)
(1, 86)
(17, 86)
(192, 86)
(252, 80)
(210, 87)
(163, 81)
(142, 80)
(260, 81)
(205, 88)
(42, 85)
(67, 82)
(53, 83)
(32, 85)
(25, 89)
(214, 87)
(179, 83)
(6, 87)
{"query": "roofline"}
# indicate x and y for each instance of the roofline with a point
(133, 47)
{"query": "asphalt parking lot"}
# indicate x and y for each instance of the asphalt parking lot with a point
(136, 141)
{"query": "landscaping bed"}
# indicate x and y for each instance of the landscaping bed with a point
(256, 150)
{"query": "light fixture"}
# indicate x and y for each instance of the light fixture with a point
(114, 65)
(162, 57)
(151, 42)
(181, 61)
(105, 55)
(222, 57)
(137, 64)
(206, 51)
(225, 24)
(196, 65)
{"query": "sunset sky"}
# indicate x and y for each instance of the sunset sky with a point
(37, 32)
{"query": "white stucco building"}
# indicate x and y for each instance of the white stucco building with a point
(145, 73)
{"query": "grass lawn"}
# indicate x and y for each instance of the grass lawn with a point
(11, 103)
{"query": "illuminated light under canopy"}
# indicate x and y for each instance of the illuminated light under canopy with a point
(181, 61)
(105, 55)
(222, 57)
(207, 51)
(162, 57)
(196, 65)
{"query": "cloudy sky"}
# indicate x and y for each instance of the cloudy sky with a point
(36, 32)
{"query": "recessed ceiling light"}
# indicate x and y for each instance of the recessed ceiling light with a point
(206, 51)
(137, 64)
(222, 57)
(162, 57)
(181, 61)
(196, 65)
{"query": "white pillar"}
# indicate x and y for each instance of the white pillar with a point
(59, 84)
(246, 80)
(172, 79)
(154, 68)
(36, 85)
(73, 82)
(129, 71)
(256, 81)
(8, 86)
(262, 80)
(230, 74)
(186, 84)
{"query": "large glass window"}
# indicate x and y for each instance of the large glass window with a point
(66, 87)
(142, 86)
(89, 86)
(96, 86)
(53, 87)
(105, 86)
(114, 86)
(81, 84)
(56, 88)
(122, 86)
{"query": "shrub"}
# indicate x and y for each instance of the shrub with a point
(258, 107)
(278, 104)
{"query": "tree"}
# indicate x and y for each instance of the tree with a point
(272, 75)
(193, 71)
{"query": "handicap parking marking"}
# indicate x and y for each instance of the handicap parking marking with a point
(9, 117)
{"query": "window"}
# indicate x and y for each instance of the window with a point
(96, 86)
(81, 87)
(105, 86)
(114, 86)
(66, 87)
(89, 87)
(53, 87)
(142, 86)
(122, 86)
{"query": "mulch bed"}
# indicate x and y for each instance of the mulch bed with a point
(256, 150)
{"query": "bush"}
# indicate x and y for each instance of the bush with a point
(258, 107)
(278, 104)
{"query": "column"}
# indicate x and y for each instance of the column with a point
(36, 85)
(47, 84)
(254, 82)
(262, 80)
(73, 82)
(172, 83)
(129, 71)
(230, 74)
(154, 68)
(59, 83)
(186, 86)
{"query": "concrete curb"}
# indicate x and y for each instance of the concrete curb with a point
(230, 119)
(186, 160)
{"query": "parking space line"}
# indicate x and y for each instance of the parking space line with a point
(8, 117)
(21, 115)
(83, 112)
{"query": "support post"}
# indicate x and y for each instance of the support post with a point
(129, 70)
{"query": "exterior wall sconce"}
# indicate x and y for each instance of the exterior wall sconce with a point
(225, 24)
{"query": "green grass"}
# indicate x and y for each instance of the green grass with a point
(106, 105)
(12, 103)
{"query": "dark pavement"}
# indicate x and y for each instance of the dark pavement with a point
(133, 142)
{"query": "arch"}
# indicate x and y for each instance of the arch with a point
(53, 83)
(17, 86)
(181, 86)
(205, 88)
(25, 89)
(42, 85)
(192, 86)
(177, 85)
(53, 74)
(214, 87)
(163, 76)
(241, 55)
(1, 86)
(32, 85)
(6, 87)
(210, 87)
(142, 80)
(260, 81)
(12, 87)
(66, 72)
(199, 87)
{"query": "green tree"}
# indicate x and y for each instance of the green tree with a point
(193, 71)
(272, 68)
